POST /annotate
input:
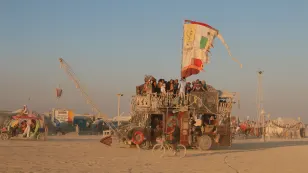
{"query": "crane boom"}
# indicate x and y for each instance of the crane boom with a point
(69, 71)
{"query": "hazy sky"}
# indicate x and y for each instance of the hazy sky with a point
(112, 44)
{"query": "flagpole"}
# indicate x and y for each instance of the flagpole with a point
(182, 49)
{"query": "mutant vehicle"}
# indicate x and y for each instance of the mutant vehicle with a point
(202, 116)
(15, 127)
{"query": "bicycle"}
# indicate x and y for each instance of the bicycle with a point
(164, 145)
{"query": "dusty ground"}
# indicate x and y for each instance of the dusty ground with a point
(86, 154)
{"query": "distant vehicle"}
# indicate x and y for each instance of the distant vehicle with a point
(15, 128)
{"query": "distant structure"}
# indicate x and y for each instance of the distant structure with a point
(259, 97)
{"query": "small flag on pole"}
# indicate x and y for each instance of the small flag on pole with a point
(59, 92)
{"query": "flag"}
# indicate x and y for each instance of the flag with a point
(197, 40)
(106, 140)
(58, 92)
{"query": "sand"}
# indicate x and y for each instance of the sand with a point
(86, 154)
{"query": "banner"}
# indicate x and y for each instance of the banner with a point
(197, 41)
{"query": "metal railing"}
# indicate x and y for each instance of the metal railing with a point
(170, 100)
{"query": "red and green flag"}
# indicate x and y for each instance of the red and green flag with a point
(197, 41)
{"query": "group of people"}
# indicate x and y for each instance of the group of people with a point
(171, 87)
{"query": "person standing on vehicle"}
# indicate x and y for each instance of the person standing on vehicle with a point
(24, 110)
(182, 88)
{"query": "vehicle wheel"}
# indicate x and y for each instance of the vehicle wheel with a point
(144, 145)
(180, 151)
(41, 136)
(205, 142)
(170, 150)
(158, 150)
(5, 136)
(138, 137)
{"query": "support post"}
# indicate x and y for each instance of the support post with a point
(119, 102)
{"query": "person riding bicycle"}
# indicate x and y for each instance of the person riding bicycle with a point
(175, 135)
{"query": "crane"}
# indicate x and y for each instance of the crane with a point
(69, 71)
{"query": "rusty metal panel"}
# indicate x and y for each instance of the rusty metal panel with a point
(203, 100)
(225, 133)
(184, 119)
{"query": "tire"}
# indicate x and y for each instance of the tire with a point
(180, 151)
(205, 142)
(159, 150)
(5, 136)
(138, 137)
(169, 150)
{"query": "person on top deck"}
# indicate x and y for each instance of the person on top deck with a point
(188, 88)
(175, 87)
(204, 85)
(182, 87)
(197, 86)
(147, 87)
(171, 87)
(182, 90)
(163, 89)
(155, 88)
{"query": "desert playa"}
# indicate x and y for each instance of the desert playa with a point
(85, 154)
